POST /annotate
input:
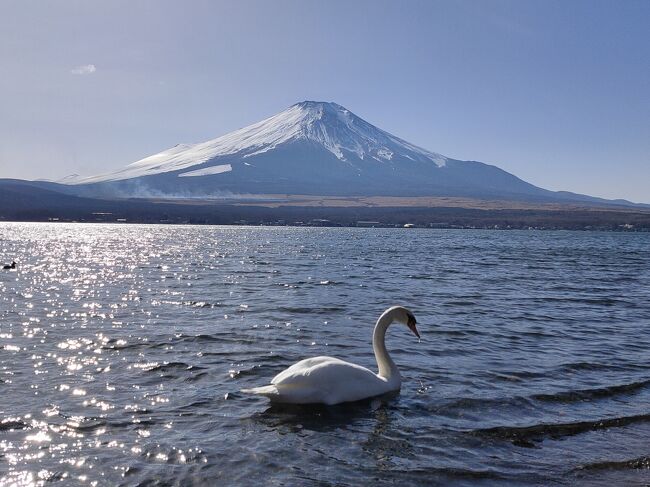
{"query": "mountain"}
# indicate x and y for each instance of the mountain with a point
(311, 148)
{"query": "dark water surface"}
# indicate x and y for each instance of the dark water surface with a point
(122, 350)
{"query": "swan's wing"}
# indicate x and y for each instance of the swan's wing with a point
(328, 380)
(302, 368)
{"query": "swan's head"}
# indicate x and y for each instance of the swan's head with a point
(403, 315)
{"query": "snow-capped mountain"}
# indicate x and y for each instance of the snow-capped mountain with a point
(329, 125)
(309, 148)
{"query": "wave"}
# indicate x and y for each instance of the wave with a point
(130, 423)
(632, 464)
(538, 432)
(597, 393)
(436, 475)
(476, 403)
(592, 301)
(173, 366)
(300, 310)
(479, 403)
(9, 424)
(86, 425)
(223, 338)
(579, 366)
(194, 304)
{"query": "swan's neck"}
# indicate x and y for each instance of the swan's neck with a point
(387, 368)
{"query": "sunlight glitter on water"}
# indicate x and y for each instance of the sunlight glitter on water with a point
(532, 369)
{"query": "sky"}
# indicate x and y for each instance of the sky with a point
(555, 92)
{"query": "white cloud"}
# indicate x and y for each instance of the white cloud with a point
(84, 69)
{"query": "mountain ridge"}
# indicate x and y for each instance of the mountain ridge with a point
(313, 148)
(326, 123)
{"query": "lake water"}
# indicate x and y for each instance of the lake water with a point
(123, 348)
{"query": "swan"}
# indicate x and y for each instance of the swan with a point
(328, 380)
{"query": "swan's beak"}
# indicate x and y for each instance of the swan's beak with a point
(411, 324)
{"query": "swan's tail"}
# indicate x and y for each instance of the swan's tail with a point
(268, 391)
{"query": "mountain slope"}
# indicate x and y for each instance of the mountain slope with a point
(315, 148)
(328, 125)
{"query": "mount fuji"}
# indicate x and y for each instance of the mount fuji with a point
(311, 148)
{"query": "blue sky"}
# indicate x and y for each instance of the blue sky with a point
(556, 92)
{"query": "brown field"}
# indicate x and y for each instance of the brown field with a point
(311, 201)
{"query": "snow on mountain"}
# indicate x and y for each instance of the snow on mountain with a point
(69, 179)
(207, 171)
(311, 148)
(331, 126)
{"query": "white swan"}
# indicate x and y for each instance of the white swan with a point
(328, 380)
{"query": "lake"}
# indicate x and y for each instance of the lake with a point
(123, 348)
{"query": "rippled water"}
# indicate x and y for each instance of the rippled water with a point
(122, 350)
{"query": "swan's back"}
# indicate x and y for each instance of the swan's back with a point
(305, 368)
(326, 380)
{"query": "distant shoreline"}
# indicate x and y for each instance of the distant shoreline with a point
(622, 229)
(126, 212)
(21, 201)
